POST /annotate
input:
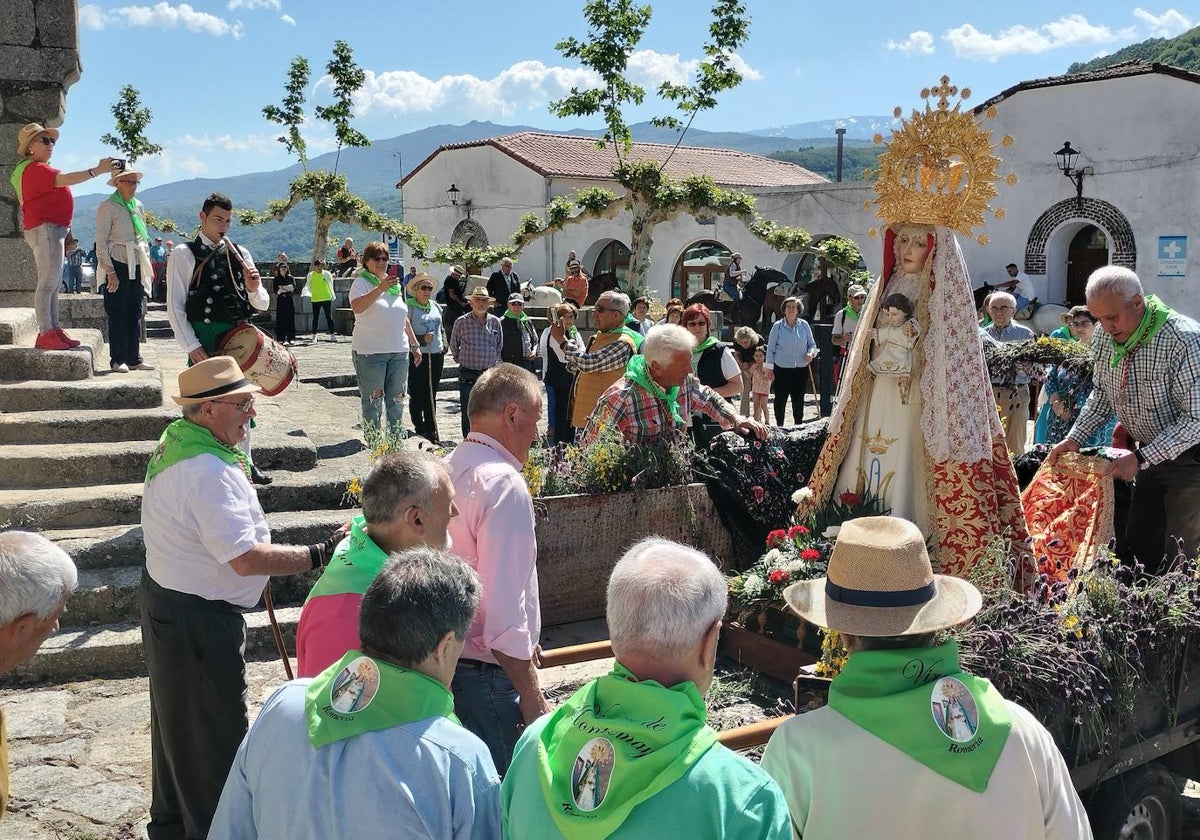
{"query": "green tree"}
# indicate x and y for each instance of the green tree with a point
(290, 114)
(132, 120)
(347, 77)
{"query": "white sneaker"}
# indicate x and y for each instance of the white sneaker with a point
(143, 366)
(120, 367)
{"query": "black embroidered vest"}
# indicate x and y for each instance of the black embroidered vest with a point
(708, 369)
(214, 295)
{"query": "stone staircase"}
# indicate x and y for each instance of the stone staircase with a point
(74, 442)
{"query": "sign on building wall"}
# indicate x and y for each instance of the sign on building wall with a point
(394, 245)
(1172, 256)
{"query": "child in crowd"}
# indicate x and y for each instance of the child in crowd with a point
(760, 386)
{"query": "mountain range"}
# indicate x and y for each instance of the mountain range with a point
(1182, 51)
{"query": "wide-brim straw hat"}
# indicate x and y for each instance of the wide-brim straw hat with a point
(124, 173)
(880, 583)
(30, 132)
(217, 376)
(410, 287)
(481, 292)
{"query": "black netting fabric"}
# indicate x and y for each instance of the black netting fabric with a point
(751, 482)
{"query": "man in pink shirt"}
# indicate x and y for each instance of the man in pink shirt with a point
(407, 501)
(496, 691)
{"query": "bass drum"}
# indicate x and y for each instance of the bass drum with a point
(266, 362)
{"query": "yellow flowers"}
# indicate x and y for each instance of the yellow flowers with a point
(833, 655)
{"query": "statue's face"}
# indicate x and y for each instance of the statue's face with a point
(895, 316)
(912, 247)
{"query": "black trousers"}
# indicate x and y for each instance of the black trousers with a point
(318, 307)
(789, 383)
(285, 318)
(124, 310)
(195, 656)
(423, 382)
(564, 432)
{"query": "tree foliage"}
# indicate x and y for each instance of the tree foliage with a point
(132, 119)
(347, 77)
(290, 114)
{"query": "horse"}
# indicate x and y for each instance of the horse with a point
(1042, 318)
(541, 297)
(754, 304)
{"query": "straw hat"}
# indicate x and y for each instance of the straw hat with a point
(411, 287)
(880, 583)
(29, 133)
(481, 292)
(124, 173)
(217, 376)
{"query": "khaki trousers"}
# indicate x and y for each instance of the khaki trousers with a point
(1013, 402)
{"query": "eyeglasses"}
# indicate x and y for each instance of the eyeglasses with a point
(46, 141)
(378, 259)
(602, 309)
(425, 288)
(245, 406)
(516, 303)
(694, 324)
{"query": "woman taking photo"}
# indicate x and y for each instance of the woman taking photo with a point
(47, 205)
(285, 303)
(556, 339)
(382, 341)
(123, 255)
(790, 348)
(425, 317)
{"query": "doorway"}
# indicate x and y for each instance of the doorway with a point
(701, 267)
(1087, 252)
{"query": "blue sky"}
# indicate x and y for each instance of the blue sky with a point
(206, 68)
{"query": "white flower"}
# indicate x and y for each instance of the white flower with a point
(831, 532)
(773, 557)
(752, 586)
(797, 566)
(802, 495)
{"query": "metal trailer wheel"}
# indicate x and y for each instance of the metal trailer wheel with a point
(1140, 805)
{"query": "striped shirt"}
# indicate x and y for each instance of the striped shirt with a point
(476, 346)
(1155, 391)
(644, 418)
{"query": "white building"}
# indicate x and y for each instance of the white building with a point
(1134, 123)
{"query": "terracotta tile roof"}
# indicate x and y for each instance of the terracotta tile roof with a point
(576, 156)
(1136, 67)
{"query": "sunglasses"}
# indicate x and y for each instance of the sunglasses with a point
(425, 288)
(378, 259)
(516, 303)
(694, 324)
(46, 141)
(245, 406)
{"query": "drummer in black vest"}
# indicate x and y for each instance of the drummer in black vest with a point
(212, 286)
(713, 363)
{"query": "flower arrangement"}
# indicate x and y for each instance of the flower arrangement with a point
(1005, 360)
(793, 554)
(610, 464)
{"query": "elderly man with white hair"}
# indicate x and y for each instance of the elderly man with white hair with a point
(659, 394)
(607, 353)
(36, 577)
(630, 753)
(1147, 369)
(1012, 398)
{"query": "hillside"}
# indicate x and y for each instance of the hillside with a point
(823, 159)
(372, 173)
(1182, 51)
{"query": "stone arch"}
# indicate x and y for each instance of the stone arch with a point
(469, 232)
(1122, 245)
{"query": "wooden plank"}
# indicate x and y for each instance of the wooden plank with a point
(771, 657)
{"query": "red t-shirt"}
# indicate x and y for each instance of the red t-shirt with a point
(41, 201)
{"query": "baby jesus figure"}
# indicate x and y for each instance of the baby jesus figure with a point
(894, 342)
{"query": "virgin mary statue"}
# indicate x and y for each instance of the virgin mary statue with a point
(933, 452)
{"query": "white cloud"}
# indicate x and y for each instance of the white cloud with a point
(167, 166)
(160, 16)
(273, 5)
(969, 42)
(227, 142)
(917, 43)
(1167, 25)
(288, 19)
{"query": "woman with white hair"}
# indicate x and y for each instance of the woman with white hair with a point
(123, 254)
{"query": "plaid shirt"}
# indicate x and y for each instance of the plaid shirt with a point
(613, 356)
(474, 345)
(1155, 391)
(644, 418)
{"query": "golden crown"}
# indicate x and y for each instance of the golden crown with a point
(939, 168)
(879, 444)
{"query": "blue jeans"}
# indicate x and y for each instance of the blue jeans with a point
(382, 380)
(731, 289)
(466, 381)
(488, 705)
(48, 243)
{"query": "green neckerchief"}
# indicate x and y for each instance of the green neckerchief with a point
(637, 373)
(920, 701)
(709, 341)
(614, 744)
(416, 304)
(139, 224)
(360, 693)
(849, 313)
(1153, 318)
(521, 316)
(637, 337)
(393, 290)
(184, 439)
(18, 172)
(356, 562)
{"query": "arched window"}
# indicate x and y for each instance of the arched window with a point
(700, 266)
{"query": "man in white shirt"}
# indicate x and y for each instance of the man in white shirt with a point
(208, 557)
(1019, 285)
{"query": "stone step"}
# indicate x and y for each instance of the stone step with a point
(18, 325)
(117, 462)
(111, 560)
(136, 389)
(103, 505)
(20, 360)
(102, 425)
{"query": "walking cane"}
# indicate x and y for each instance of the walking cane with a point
(812, 377)
(283, 654)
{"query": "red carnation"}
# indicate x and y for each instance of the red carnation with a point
(810, 554)
(778, 576)
(797, 531)
(851, 499)
(776, 538)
